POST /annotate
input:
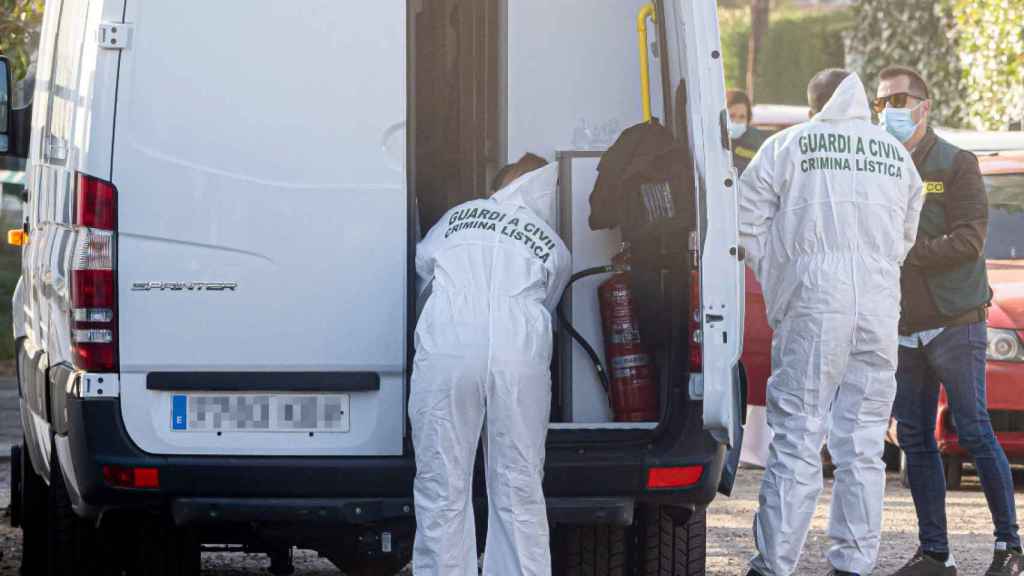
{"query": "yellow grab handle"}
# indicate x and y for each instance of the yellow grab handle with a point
(17, 237)
(647, 11)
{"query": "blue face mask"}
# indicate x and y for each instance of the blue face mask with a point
(900, 122)
(736, 131)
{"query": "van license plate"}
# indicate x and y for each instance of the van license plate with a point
(260, 413)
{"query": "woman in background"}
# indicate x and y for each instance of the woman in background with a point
(746, 140)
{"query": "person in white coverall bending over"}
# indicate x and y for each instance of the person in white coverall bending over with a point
(828, 211)
(483, 350)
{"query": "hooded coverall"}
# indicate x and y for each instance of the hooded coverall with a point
(828, 211)
(483, 350)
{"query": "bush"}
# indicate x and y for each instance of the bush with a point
(971, 52)
(990, 35)
(798, 44)
(917, 33)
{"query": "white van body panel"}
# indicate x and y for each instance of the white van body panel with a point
(72, 132)
(722, 274)
(274, 162)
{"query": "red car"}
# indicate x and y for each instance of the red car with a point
(1004, 176)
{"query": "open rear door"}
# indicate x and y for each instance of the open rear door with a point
(693, 31)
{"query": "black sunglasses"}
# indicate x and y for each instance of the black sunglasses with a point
(897, 100)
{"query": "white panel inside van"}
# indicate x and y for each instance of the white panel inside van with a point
(572, 60)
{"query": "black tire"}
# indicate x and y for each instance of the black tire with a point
(382, 567)
(165, 550)
(673, 541)
(589, 550)
(954, 468)
(14, 511)
(71, 540)
(34, 515)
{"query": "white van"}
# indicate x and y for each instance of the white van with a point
(214, 320)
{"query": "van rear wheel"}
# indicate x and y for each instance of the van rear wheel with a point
(71, 540)
(33, 513)
(589, 550)
(663, 541)
(165, 550)
(673, 541)
(381, 567)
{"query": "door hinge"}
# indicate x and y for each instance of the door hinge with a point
(114, 35)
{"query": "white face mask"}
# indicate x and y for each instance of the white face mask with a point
(900, 122)
(737, 131)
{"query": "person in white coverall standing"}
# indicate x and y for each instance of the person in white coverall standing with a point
(828, 211)
(483, 350)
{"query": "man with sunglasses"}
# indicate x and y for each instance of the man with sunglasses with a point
(945, 295)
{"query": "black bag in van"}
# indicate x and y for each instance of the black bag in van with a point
(641, 182)
(644, 187)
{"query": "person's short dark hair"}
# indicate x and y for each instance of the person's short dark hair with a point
(508, 174)
(918, 87)
(734, 97)
(821, 88)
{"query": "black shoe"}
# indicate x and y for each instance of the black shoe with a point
(753, 573)
(1006, 562)
(922, 565)
(835, 572)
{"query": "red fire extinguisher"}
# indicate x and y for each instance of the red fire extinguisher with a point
(632, 384)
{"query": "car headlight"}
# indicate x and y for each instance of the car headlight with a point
(1004, 346)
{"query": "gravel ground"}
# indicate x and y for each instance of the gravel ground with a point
(729, 539)
(730, 543)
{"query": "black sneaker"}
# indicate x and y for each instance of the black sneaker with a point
(922, 565)
(1006, 561)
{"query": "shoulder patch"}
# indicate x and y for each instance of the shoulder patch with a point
(934, 188)
(745, 152)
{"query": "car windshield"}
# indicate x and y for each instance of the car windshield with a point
(1005, 217)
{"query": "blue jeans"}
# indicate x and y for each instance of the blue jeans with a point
(956, 358)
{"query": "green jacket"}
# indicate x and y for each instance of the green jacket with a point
(745, 147)
(944, 280)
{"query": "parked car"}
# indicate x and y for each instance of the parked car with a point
(214, 322)
(775, 117)
(1004, 250)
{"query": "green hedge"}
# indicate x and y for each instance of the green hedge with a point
(798, 44)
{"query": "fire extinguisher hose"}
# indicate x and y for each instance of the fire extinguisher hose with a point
(594, 358)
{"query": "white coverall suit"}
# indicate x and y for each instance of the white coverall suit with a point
(828, 211)
(483, 350)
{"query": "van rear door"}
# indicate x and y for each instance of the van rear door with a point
(262, 222)
(696, 39)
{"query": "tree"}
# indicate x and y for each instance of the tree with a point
(917, 33)
(990, 35)
(20, 21)
(760, 10)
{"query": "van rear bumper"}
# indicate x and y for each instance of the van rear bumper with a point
(596, 482)
(206, 512)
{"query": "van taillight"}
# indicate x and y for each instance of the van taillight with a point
(696, 333)
(93, 281)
